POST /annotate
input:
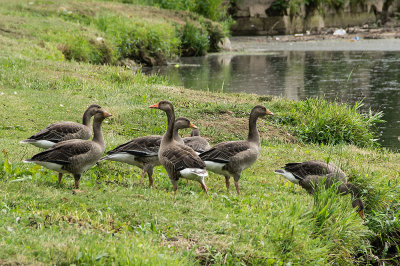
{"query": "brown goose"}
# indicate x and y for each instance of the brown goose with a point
(143, 152)
(61, 131)
(179, 160)
(296, 171)
(74, 156)
(196, 142)
(232, 157)
(311, 174)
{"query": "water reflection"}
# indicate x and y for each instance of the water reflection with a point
(373, 77)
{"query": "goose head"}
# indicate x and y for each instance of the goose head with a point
(183, 122)
(100, 114)
(260, 110)
(93, 109)
(360, 205)
(163, 105)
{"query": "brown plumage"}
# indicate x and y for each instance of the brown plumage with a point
(232, 157)
(143, 152)
(74, 156)
(310, 174)
(196, 142)
(314, 167)
(62, 131)
(178, 160)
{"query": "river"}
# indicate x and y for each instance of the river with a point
(334, 70)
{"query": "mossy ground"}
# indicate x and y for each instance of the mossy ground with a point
(120, 220)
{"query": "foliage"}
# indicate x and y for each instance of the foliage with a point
(194, 41)
(294, 7)
(332, 221)
(278, 8)
(212, 9)
(139, 40)
(120, 220)
(319, 121)
(79, 48)
(109, 34)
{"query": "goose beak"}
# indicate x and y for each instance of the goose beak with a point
(107, 114)
(361, 213)
(154, 106)
(192, 125)
(268, 112)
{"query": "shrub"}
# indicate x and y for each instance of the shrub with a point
(319, 121)
(144, 42)
(212, 9)
(194, 41)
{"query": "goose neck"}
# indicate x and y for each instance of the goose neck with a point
(97, 132)
(176, 135)
(171, 122)
(86, 118)
(253, 132)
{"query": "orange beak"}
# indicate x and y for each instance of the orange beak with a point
(192, 125)
(154, 106)
(107, 114)
(268, 112)
(361, 213)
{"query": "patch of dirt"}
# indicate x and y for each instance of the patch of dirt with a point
(15, 263)
(226, 122)
(180, 242)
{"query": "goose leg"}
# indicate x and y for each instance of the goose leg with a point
(142, 175)
(174, 184)
(237, 187)
(150, 174)
(236, 178)
(227, 183)
(59, 178)
(204, 187)
(77, 177)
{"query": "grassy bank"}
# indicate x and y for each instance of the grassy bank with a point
(120, 220)
(106, 32)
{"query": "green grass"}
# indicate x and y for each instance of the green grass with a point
(101, 32)
(119, 220)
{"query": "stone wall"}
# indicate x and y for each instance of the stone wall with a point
(252, 17)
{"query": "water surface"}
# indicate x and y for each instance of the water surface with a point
(344, 76)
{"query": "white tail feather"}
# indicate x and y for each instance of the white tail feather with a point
(288, 175)
(194, 173)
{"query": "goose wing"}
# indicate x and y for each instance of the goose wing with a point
(56, 132)
(313, 168)
(224, 151)
(181, 157)
(144, 146)
(197, 143)
(64, 152)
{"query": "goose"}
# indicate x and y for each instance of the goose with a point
(295, 171)
(143, 152)
(310, 174)
(61, 131)
(196, 142)
(232, 157)
(178, 159)
(74, 156)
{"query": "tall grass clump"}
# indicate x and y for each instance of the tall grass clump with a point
(212, 9)
(316, 120)
(195, 41)
(383, 208)
(332, 224)
(80, 48)
(138, 40)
